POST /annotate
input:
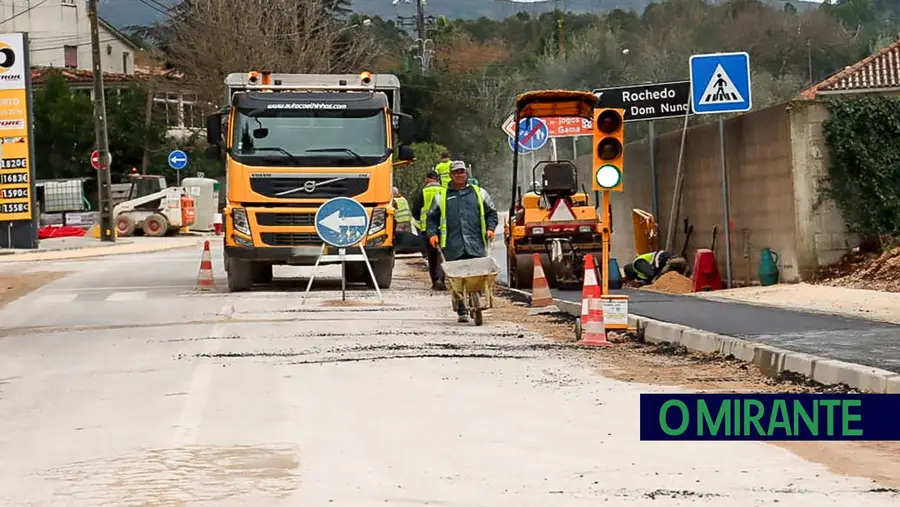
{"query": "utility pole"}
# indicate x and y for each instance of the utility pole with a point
(420, 19)
(103, 176)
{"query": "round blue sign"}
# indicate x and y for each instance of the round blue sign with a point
(514, 145)
(342, 222)
(178, 160)
(533, 133)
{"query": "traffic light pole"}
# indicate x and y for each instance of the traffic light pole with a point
(103, 176)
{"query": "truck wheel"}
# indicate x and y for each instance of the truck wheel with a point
(262, 273)
(239, 275)
(156, 225)
(125, 226)
(384, 273)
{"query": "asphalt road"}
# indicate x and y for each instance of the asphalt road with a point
(836, 337)
(118, 386)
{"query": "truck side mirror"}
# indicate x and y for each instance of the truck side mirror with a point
(214, 136)
(405, 152)
(406, 128)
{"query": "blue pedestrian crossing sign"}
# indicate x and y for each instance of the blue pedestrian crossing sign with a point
(533, 133)
(720, 83)
(342, 222)
(516, 147)
(178, 160)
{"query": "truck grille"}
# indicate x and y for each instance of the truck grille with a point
(305, 186)
(277, 219)
(290, 238)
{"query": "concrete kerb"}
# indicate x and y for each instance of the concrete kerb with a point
(771, 361)
(98, 251)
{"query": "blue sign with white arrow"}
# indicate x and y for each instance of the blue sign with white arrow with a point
(720, 83)
(342, 222)
(533, 133)
(178, 160)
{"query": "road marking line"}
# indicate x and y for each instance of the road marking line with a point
(187, 428)
(135, 288)
(126, 296)
(50, 299)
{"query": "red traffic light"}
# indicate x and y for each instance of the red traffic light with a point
(609, 122)
(609, 149)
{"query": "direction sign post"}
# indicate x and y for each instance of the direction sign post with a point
(720, 83)
(178, 160)
(342, 223)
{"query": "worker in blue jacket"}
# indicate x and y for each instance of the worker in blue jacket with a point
(461, 222)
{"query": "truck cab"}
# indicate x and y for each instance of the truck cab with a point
(289, 143)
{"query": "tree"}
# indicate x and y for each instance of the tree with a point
(128, 130)
(211, 38)
(63, 130)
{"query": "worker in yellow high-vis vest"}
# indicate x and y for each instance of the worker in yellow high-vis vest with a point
(646, 268)
(462, 221)
(402, 213)
(421, 203)
(443, 169)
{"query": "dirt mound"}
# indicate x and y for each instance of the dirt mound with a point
(672, 283)
(864, 271)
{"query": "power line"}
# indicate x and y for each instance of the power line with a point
(26, 11)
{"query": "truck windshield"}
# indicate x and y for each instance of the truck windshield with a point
(310, 137)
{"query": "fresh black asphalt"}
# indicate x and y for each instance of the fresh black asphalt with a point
(854, 340)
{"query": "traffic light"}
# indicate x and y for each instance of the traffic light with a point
(609, 149)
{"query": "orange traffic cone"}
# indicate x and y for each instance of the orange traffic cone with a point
(592, 326)
(205, 281)
(541, 300)
(591, 287)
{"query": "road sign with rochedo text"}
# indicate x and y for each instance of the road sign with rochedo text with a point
(652, 101)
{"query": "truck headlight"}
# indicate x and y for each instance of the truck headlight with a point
(379, 219)
(240, 221)
(584, 228)
(537, 230)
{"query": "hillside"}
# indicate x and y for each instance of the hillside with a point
(123, 13)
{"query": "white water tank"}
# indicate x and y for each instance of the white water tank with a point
(205, 192)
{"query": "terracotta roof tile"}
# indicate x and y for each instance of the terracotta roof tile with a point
(38, 74)
(877, 72)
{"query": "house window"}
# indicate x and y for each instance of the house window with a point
(71, 56)
(70, 3)
(125, 62)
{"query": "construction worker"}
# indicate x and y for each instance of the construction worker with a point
(402, 214)
(648, 267)
(461, 222)
(443, 169)
(420, 205)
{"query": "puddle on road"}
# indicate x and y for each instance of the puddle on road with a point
(172, 477)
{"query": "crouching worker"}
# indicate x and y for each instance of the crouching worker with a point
(647, 268)
(461, 222)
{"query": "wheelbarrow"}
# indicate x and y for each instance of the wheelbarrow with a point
(472, 281)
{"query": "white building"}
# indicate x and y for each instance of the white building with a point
(59, 35)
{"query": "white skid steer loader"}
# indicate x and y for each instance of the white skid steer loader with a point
(153, 208)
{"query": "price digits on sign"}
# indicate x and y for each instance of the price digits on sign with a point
(14, 193)
(14, 207)
(13, 163)
(9, 179)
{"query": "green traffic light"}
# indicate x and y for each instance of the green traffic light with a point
(609, 176)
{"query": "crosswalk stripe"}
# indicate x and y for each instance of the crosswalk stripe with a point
(126, 296)
(56, 298)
